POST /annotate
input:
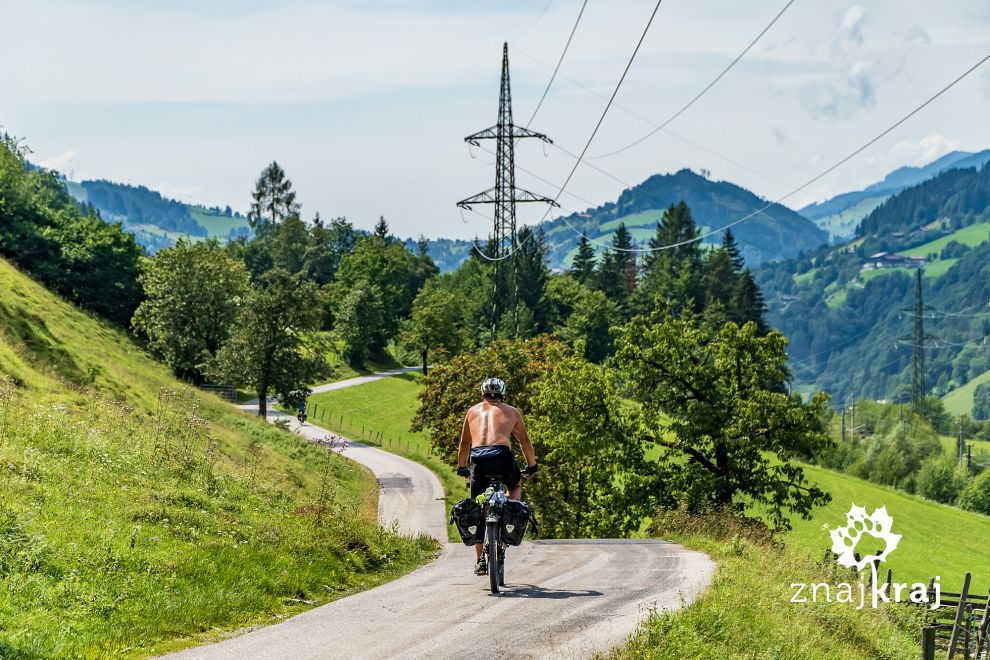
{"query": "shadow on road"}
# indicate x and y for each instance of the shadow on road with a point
(533, 591)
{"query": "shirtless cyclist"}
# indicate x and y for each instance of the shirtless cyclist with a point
(486, 440)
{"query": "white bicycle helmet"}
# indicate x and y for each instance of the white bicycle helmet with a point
(493, 387)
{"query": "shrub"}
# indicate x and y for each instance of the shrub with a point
(940, 479)
(976, 496)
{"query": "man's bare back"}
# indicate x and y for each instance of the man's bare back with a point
(491, 423)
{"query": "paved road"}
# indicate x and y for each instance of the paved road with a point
(360, 380)
(563, 599)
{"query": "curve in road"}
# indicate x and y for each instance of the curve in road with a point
(563, 598)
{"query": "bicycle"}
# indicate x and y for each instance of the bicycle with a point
(494, 552)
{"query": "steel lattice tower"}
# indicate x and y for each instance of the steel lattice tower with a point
(502, 243)
(918, 339)
(918, 354)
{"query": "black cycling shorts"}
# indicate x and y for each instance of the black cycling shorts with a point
(493, 461)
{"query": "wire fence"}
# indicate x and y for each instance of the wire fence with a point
(325, 417)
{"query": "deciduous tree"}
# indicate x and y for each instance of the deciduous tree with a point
(710, 402)
(272, 346)
(192, 295)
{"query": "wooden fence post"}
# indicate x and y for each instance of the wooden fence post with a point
(960, 611)
(928, 643)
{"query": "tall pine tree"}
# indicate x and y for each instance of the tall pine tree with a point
(583, 265)
(273, 200)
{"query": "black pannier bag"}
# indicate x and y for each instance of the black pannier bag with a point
(515, 518)
(466, 516)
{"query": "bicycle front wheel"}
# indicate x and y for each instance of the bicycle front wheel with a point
(494, 558)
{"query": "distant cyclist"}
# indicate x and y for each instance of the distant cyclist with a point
(485, 438)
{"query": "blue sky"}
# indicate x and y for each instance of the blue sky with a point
(365, 104)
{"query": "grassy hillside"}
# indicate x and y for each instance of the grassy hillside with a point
(217, 226)
(972, 236)
(960, 400)
(136, 516)
(842, 224)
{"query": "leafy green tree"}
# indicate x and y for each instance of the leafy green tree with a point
(290, 240)
(672, 267)
(272, 346)
(192, 296)
(42, 229)
(436, 322)
(583, 264)
(530, 263)
(595, 480)
(326, 249)
(976, 496)
(941, 479)
(273, 200)
(589, 322)
(386, 267)
(625, 256)
(359, 318)
(709, 401)
(981, 401)
(381, 230)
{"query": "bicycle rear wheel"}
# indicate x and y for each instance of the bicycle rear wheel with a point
(494, 560)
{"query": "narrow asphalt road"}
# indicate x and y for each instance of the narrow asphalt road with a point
(563, 598)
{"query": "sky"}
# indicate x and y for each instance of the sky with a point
(366, 104)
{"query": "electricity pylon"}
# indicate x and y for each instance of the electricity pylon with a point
(918, 343)
(502, 244)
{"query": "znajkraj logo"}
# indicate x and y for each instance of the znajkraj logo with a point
(875, 530)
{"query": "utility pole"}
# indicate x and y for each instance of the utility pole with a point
(502, 244)
(843, 423)
(917, 340)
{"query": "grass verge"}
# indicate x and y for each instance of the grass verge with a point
(747, 613)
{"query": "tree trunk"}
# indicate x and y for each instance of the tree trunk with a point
(723, 489)
(263, 402)
(424, 361)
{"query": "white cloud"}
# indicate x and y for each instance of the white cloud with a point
(921, 152)
(850, 29)
(183, 193)
(62, 162)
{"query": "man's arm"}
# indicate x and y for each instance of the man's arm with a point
(522, 437)
(465, 449)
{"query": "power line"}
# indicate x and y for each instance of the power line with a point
(821, 175)
(702, 92)
(559, 62)
(677, 136)
(608, 105)
(538, 19)
(594, 132)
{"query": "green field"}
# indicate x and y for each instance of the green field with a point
(932, 270)
(972, 236)
(924, 526)
(960, 400)
(218, 226)
(137, 516)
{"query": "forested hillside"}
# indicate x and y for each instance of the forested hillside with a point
(777, 233)
(850, 329)
(841, 215)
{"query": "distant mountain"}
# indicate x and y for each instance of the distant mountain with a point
(777, 233)
(846, 309)
(157, 222)
(840, 215)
